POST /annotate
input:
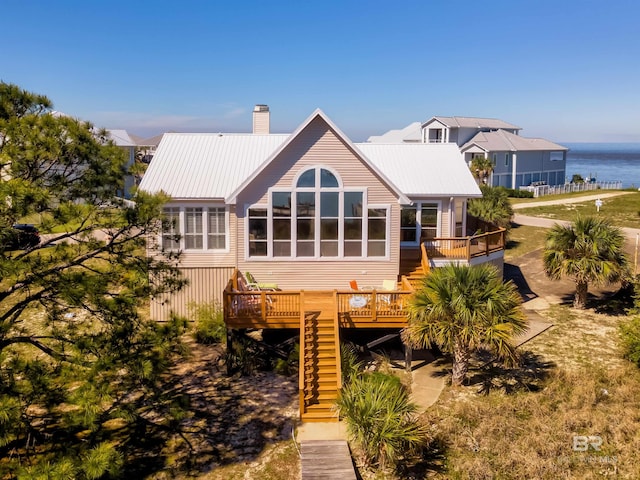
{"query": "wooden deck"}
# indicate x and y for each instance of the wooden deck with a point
(326, 460)
(286, 309)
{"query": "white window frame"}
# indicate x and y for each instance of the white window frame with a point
(418, 204)
(205, 227)
(318, 190)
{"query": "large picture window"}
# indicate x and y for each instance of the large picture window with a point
(317, 218)
(194, 228)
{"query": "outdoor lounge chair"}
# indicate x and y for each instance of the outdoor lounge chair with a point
(255, 285)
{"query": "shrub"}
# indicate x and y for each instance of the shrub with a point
(630, 339)
(350, 365)
(209, 323)
(381, 420)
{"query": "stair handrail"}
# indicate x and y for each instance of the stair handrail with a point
(424, 259)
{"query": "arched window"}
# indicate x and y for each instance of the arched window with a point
(318, 218)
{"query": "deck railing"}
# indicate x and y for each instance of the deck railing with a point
(283, 308)
(465, 248)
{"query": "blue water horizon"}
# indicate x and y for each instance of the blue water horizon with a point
(606, 162)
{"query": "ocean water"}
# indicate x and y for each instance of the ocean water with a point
(606, 162)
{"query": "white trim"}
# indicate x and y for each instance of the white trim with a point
(205, 226)
(418, 206)
(318, 191)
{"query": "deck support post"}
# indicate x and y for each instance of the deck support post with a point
(228, 353)
(408, 354)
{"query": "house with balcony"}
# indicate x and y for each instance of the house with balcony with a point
(338, 233)
(518, 161)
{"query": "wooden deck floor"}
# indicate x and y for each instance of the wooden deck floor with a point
(326, 460)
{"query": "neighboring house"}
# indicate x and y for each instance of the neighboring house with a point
(147, 147)
(123, 140)
(518, 161)
(307, 210)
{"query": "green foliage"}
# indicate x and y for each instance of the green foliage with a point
(577, 178)
(209, 323)
(381, 419)
(350, 365)
(494, 206)
(76, 347)
(513, 193)
(630, 339)
(291, 364)
(481, 168)
(461, 309)
(590, 250)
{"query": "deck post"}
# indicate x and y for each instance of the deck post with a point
(228, 352)
(408, 355)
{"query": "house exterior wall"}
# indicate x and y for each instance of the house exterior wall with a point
(318, 145)
(531, 166)
(205, 286)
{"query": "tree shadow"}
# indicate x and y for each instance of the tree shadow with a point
(488, 374)
(210, 420)
(514, 273)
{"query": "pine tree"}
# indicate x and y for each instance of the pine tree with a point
(76, 346)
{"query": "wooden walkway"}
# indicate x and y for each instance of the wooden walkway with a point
(326, 460)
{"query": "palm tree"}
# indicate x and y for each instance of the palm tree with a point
(381, 419)
(481, 168)
(494, 206)
(460, 309)
(588, 250)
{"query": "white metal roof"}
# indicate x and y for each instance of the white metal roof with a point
(423, 169)
(206, 165)
(474, 122)
(121, 138)
(219, 166)
(410, 133)
(502, 141)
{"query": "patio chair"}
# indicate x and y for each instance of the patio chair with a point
(249, 303)
(252, 282)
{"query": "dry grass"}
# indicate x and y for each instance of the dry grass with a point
(523, 239)
(573, 383)
(623, 211)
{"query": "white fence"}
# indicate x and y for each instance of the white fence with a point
(541, 190)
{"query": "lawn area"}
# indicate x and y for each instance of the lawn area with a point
(562, 196)
(523, 239)
(521, 423)
(623, 211)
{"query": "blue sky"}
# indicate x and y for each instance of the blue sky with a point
(567, 70)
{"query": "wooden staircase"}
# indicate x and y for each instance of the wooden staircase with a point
(412, 266)
(320, 375)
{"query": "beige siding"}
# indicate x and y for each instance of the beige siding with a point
(204, 258)
(205, 285)
(318, 145)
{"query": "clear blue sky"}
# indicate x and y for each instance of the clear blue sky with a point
(567, 70)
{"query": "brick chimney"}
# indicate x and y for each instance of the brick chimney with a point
(261, 119)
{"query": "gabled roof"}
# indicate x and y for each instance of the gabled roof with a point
(191, 166)
(501, 141)
(473, 122)
(410, 133)
(423, 169)
(121, 138)
(231, 198)
(206, 165)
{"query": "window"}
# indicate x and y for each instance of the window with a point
(459, 216)
(429, 221)
(258, 232)
(171, 229)
(419, 222)
(216, 228)
(317, 218)
(194, 228)
(506, 159)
